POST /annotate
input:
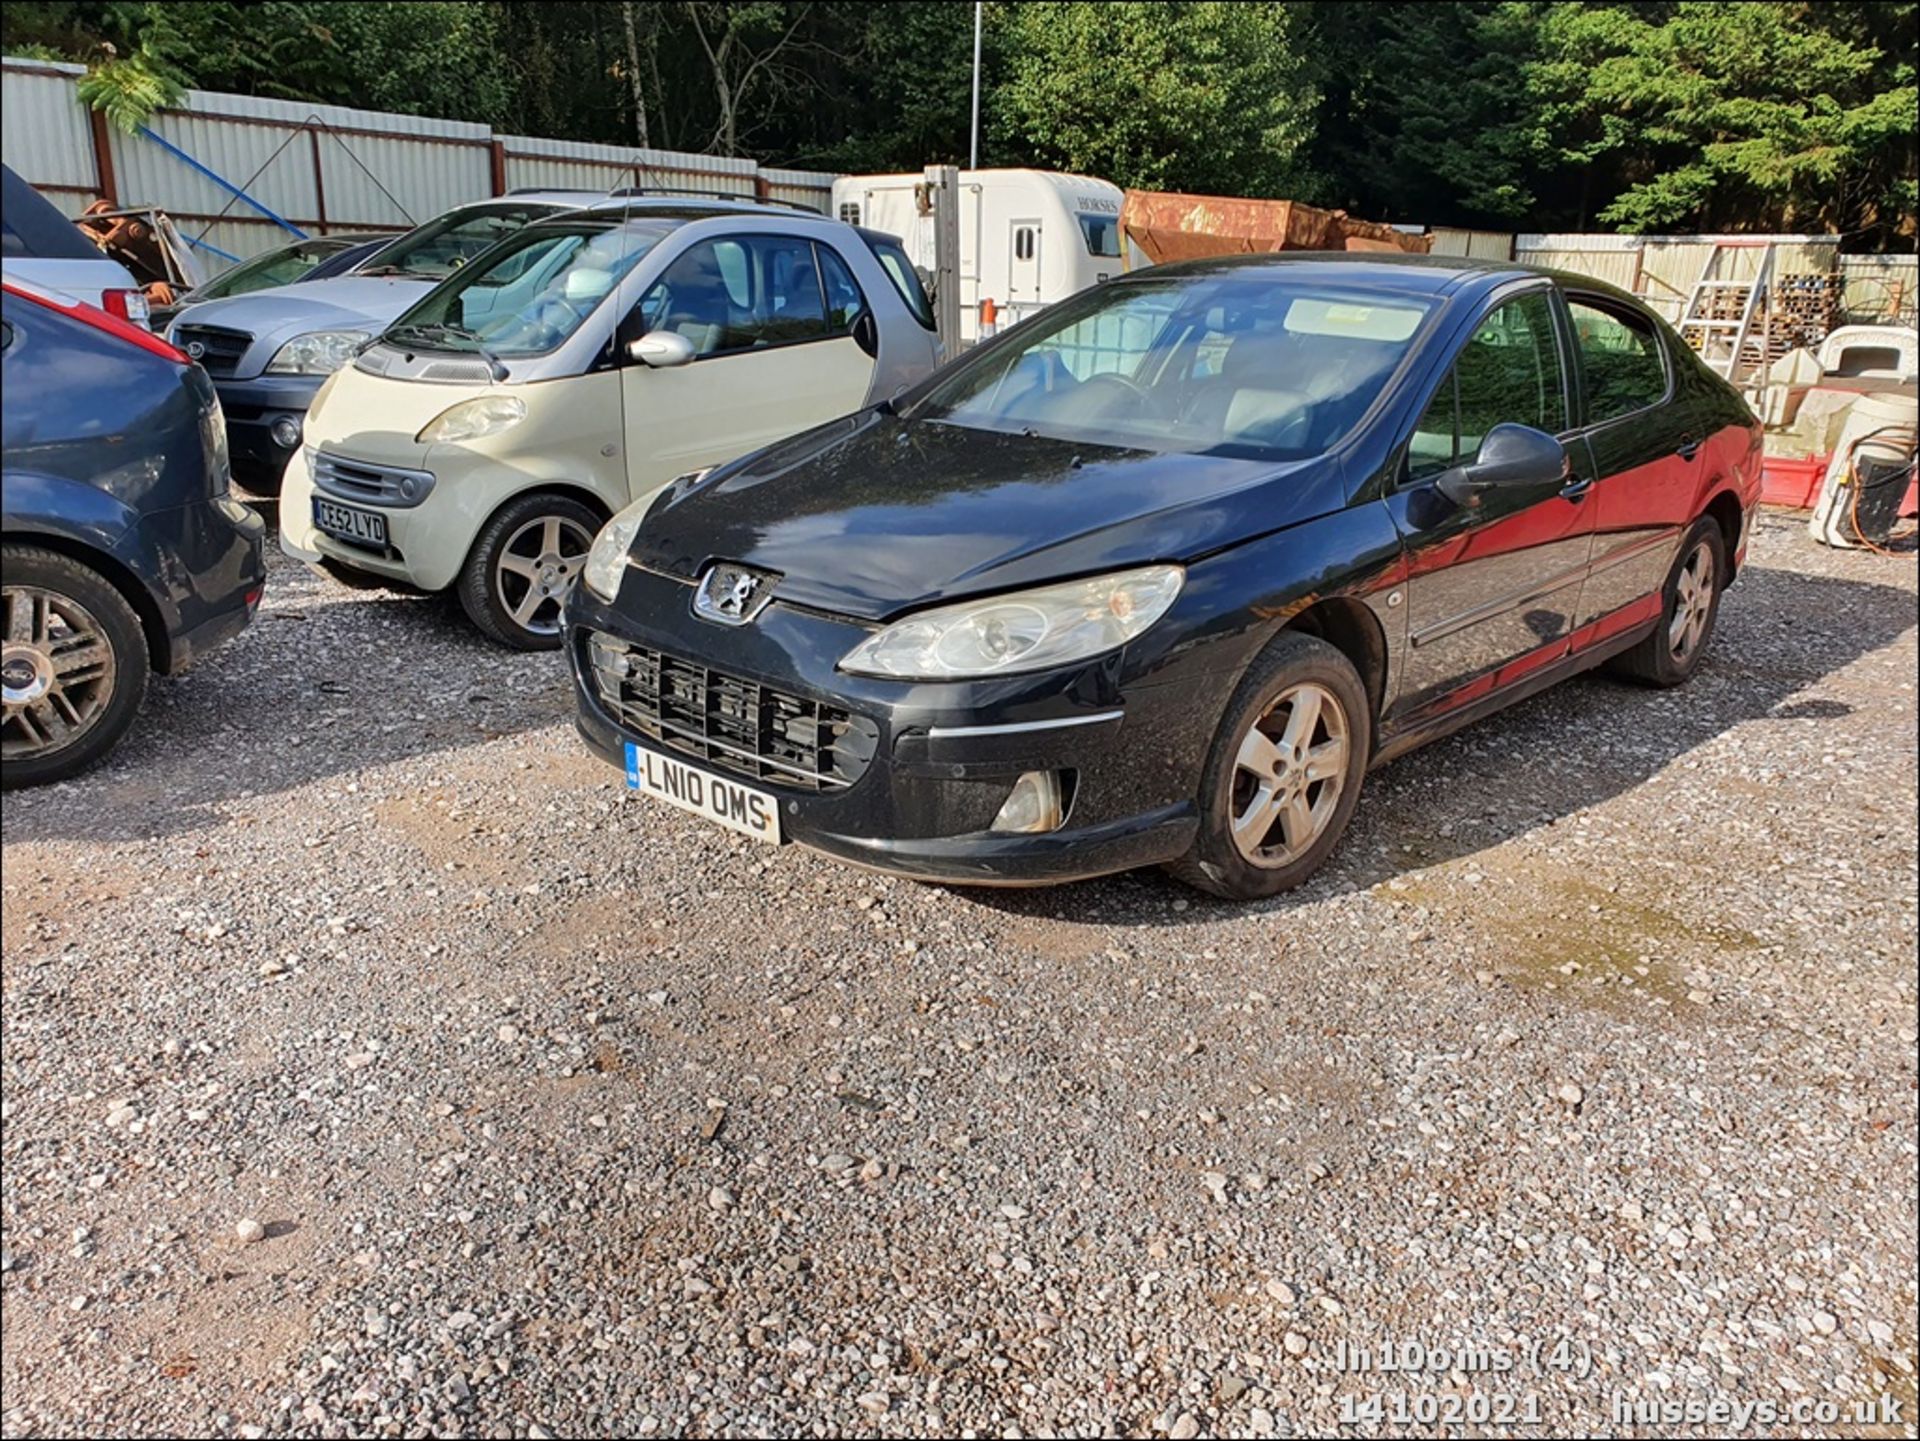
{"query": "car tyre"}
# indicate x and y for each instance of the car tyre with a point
(525, 560)
(75, 661)
(1689, 606)
(1284, 773)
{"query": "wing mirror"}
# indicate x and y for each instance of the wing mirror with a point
(662, 348)
(1511, 458)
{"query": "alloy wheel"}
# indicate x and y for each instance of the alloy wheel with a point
(57, 669)
(1288, 775)
(1692, 604)
(536, 569)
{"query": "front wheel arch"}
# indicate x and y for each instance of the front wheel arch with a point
(584, 494)
(1351, 628)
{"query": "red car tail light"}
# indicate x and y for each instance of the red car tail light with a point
(129, 305)
(99, 319)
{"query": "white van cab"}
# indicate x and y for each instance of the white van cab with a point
(576, 368)
(1028, 238)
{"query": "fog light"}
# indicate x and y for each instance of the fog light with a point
(1033, 805)
(286, 432)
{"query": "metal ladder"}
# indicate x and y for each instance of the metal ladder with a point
(1720, 339)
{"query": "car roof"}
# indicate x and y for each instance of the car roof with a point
(612, 211)
(1407, 274)
(558, 199)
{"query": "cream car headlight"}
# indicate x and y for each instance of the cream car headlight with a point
(1028, 630)
(474, 419)
(607, 560)
(318, 352)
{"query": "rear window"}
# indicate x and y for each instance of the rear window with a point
(906, 280)
(30, 225)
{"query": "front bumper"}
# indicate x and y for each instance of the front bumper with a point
(945, 756)
(254, 409)
(427, 543)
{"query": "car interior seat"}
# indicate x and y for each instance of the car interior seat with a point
(699, 305)
(1250, 401)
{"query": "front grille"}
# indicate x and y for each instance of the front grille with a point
(364, 481)
(737, 725)
(220, 350)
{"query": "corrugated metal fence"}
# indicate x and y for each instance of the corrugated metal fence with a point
(319, 168)
(1664, 268)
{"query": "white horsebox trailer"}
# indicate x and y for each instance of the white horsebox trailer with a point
(1027, 237)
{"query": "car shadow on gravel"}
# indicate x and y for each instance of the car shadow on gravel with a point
(1577, 745)
(324, 685)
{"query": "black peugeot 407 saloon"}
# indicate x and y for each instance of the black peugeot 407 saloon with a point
(1156, 576)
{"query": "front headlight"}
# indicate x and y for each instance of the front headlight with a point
(472, 419)
(607, 561)
(318, 352)
(1029, 630)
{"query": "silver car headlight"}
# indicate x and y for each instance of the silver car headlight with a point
(1029, 630)
(607, 560)
(318, 352)
(474, 419)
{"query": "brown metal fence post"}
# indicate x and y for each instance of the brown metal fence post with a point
(319, 181)
(103, 158)
(497, 152)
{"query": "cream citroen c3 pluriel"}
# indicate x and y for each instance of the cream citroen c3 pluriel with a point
(572, 371)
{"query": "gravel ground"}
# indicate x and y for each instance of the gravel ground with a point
(375, 1066)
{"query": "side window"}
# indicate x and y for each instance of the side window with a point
(905, 278)
(1023, 243)
(1621, 359)
(845, 303)
(1436, 439)
(1508, 372)
(850, 211)
(739, 293)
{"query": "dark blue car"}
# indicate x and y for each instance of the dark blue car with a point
(121, 551)
(1158, 575)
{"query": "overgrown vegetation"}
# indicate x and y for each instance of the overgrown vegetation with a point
(1645, 115)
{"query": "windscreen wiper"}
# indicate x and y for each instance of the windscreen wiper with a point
(496, 369)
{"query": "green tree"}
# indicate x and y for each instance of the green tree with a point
(1202, 96)
(1726, 116)
(1423, 119)
(128, 89)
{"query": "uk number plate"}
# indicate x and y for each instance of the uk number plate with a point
(737, 807)
(365, 526)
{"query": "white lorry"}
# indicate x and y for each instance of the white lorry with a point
(1027, 237)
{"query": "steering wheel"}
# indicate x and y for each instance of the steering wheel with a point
(1293, 433)
(1111, 396)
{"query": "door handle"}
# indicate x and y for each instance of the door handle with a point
(1688, 448)
(1577, 488)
